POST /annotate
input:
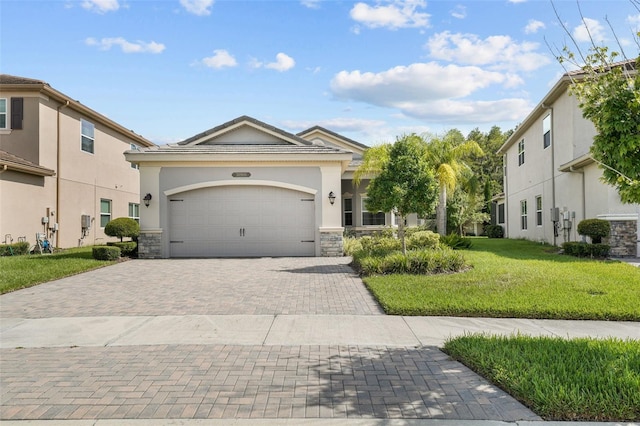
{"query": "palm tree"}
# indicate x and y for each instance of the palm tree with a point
(447, 155)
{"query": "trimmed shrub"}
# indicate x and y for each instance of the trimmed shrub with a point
(596, 229)
(127, 248)
(579, 249)
(350, 245)
(106, 252)
(417, 262)
(380, 245)
(122, 227)
(456, 242)
(15, 249)
(422, 240)
(494, 231)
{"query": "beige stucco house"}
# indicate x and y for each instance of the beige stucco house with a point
(62, 168)
(551, 182)
(246, 188)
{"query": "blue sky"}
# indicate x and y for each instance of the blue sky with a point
(368, 70)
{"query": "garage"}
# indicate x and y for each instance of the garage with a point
(242, 221)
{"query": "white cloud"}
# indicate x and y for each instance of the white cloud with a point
(517, 1)
(392, 14)
(311, 4)
(338, 124)
(101, 6)
(590, 28)
(634, 21)
(432, 91)
(126, 46)
(283, 63)
(459, 12)
(496, 52)
(533, 26)
(220, 59)
(198, 7)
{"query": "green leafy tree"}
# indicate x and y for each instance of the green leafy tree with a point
(122, 227)
(405, 183)
(448, 156)
(608, 92)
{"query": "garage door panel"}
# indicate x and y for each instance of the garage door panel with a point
(242, 221)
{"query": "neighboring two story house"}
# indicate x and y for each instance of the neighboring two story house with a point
(63, 173)
(551, 182)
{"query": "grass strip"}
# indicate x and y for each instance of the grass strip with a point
(576, 380)
(28, 270)
(516, 279)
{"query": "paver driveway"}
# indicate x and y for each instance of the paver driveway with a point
(189, 381)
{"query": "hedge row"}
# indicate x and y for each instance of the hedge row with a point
(14, 249)
(106, 252)
(423, 262)
(127, 248)
(580, 249)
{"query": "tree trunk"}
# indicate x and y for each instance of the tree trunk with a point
(401, 233)
(441, 211)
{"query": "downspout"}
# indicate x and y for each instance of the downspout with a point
(553, 168)
(584, 192)
(66, 104)
(506, 196)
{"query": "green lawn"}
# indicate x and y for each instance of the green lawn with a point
(577, 380)
(517, 278)
(28, 270)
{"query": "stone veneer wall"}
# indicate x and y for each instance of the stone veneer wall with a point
(331, 244)
(150, 245)
(623, 238)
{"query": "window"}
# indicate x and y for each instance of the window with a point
(134, 147)
(523, 215)
(539, 210)
(546, 131)
(105, 212)
(134, 211)
(521, 152)
(87, 136)
(371, 219)
(3, 113)
(501, 213)
(348, 211)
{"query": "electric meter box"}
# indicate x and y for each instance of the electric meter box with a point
(85, 221)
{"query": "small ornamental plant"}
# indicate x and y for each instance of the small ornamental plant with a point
(596, 229)
(122, 227)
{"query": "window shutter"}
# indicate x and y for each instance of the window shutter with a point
(16, 113)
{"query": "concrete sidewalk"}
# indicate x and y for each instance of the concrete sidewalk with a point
(284, 330)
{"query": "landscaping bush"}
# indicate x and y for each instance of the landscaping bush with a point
(596, 229)
(127, 248)
(14, 249)
(350, 245)
(580, 249)
(105, 253)
(122, 227)
(456, 242)
(380, 244)
(494, 231)
(418, 262)
(422, 240)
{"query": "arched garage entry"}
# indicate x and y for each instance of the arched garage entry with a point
(247, 220)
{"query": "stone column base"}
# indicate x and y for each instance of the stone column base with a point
(150, 244)
(331, 242)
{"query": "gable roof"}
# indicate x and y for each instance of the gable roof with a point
(359, 146)
(17, 83)
(244, 120)
(556, 91)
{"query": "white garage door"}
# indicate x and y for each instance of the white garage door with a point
(238, 221)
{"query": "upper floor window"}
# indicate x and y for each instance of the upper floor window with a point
(134, 147)
(521, 152)
(87, 136)
(546, 131)
(3, 113)
(347, 204)
(369, 218)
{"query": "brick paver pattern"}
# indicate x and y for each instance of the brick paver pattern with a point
(224, 381)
